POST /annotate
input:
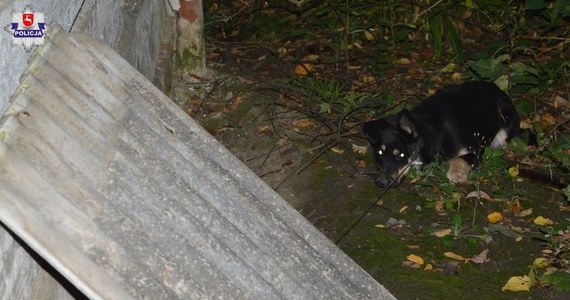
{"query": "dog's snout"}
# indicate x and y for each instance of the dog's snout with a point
(384, 180)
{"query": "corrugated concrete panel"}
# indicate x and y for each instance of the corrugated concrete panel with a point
(127, 197)
(21, 275)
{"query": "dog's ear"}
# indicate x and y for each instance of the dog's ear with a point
(407, 123)
(371, 130)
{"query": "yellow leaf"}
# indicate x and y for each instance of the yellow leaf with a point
(455, 256)
(404, 61)
(540, 262)
(540, 220)
(518, 239)
(456, 77)
(514, 170)
(368, 35)
(282, 51)
(414, 258)
(442, 232)
(403, 209)
(303, 69)
(367, 79)
(380, 226)
(311, 57)
(428, 267)
(450, 67)
(517, 284)
(495, 217)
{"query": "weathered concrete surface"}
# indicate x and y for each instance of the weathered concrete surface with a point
(127, 197)
(130, 27)
(22, 277)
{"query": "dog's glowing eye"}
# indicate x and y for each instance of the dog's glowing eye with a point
(380, 152)
(402, 155)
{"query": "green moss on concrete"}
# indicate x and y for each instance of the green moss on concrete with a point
(190, 61)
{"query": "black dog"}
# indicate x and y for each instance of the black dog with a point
(455, 123)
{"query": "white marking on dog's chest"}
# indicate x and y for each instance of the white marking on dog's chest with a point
(500, 139)
(415, 163)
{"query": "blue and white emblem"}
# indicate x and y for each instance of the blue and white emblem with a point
(27, 28)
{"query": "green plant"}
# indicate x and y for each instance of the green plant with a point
(557, 239)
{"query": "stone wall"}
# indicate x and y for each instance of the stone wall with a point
(131, 27)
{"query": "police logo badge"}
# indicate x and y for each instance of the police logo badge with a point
(27, 28)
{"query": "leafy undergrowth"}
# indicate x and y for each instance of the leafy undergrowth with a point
(309, 73)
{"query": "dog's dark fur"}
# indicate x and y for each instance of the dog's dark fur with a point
(455, 123)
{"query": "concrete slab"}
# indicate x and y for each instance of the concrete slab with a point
(127, 197)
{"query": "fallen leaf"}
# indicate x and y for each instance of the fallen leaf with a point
(303, 69)
(518, 238)
(547, 120)
(282, 51)
(359, 149)
(540, 220)
(302, 123)
(514, 171)
(442, 232)
(410, 264)
(265, 129)
(235, 103)
(404, 61)
(455, 256)
(403, 209)
(514, 206)
(428, 267)
(365, 79)
(368, 35)
(495, 217)
(311, 57)
(439, 206)
(540, 262)
(481, 258)
(457, 77)
(450, 67)
(478, 194)
(559, 102)
(380, 226)
(413, 246)
(337, 150)
(517, 284)
(416, 259)
(525, 213)
(361, 164)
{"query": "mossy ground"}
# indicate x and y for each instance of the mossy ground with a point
(332, 194)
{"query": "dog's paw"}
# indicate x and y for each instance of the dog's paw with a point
(458, 170)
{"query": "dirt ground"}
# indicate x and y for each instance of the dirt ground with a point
(328, 179)
(332, 192)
